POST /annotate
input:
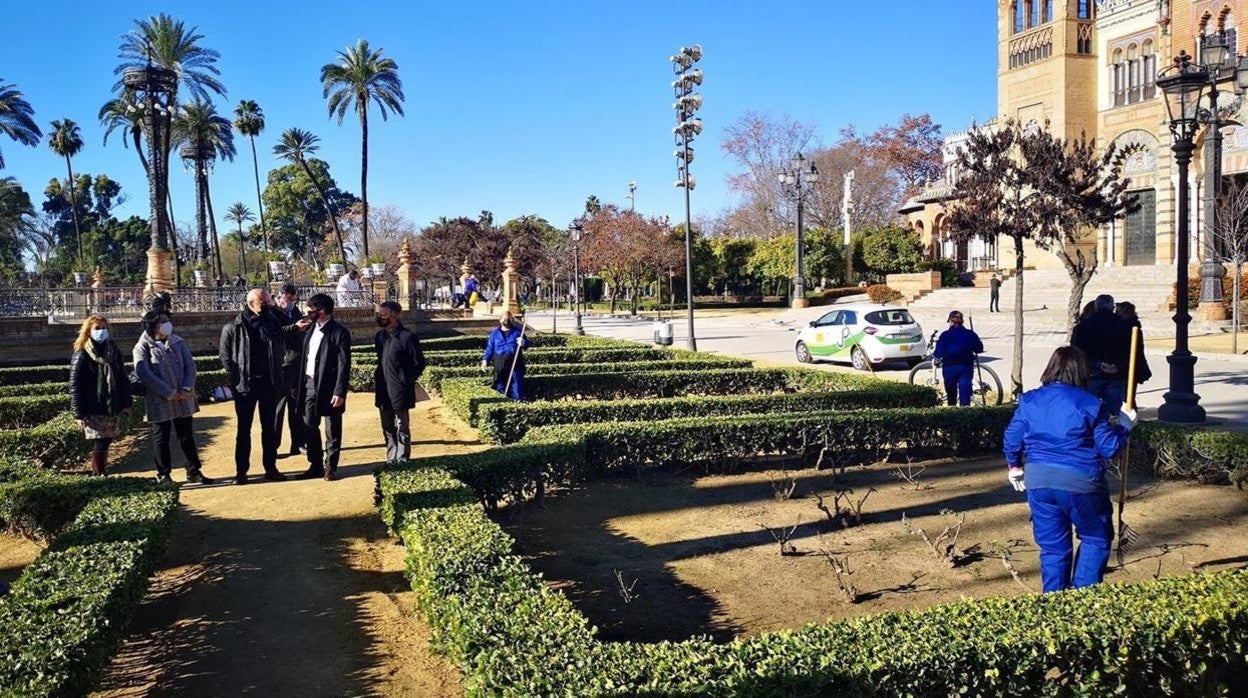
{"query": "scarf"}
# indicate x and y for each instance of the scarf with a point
(104, 376)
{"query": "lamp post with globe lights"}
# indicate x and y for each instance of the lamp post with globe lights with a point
(797, 181)
(687, 128)
(151, 89)
(578, 227)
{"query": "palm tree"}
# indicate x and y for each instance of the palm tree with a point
(592, 204)
(239, 213)
(66, 141)
(203, 135)
(249, 121)
(295, 146)
(360, 76)
(17, 118)
(122, 114)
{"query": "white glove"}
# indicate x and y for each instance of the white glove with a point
(1127, 417)
(484, 366)
(1015, 477)
(520, 342)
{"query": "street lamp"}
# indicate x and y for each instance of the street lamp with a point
(578, 227)
(687, 128)
(847, 207)
(796, 182)
(632, 196)
(150, 89)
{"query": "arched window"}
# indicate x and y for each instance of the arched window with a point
(1148, 61)
(1228, 28)
(1118, 69)
(1048, 10)
(1084, 9)
(1020, 20)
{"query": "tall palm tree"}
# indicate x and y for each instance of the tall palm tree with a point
(249, 121)
(360, 76)
(66, 141)
(239, 213)
(203, 135)
(296, 146)
(17, 118)
(122, 114)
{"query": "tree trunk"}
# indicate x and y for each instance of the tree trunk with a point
(255, 165)
(1235, 305)
(1016, 373)
(212, 222)
(242, 251)
(137, 134)
(201, 223)
(1081, 270)
(364, 173)
(342, 249)
(173, 243)
(73, 208)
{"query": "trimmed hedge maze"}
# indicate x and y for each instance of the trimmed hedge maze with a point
(512, 635)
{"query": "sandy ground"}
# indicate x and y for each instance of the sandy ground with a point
(287, 588)
(15, 553)
(703, 561)
(1217, 343)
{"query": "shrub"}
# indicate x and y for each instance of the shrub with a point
(433, 376)
(553, 355)
(1178, 452)
(58, 441)
(23, 390)
(652, 384)
(880, 293)
(948, 271)
(23, 412)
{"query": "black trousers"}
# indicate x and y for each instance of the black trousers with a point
(287, 410)
(994, 301)
(321, 459)
(245, 405)
(186, 439)
(397, 429)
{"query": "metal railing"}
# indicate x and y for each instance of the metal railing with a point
(113, 302)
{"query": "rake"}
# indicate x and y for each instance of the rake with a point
(1127, 536)
(516, 357)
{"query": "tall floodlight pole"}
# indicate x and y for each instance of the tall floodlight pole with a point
(797, 183)
(847, 206)
(687, 128)
(632, 196)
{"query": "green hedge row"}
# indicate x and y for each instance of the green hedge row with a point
(57, 441)
(29, 411)
(477, 342)
(513, 635)
(555, 355)
(434, 375)
(1175, 452)
(27, 389)
(63, 618)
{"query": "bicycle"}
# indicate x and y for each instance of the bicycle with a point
(985, 385)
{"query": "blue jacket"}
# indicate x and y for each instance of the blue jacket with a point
(958, 345)
(1062, 435)
(503, 343)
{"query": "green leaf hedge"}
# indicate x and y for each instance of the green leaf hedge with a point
(32, 410)
(434, 375)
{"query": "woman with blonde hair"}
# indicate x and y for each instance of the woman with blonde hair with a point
(99, 390)
(501, 349)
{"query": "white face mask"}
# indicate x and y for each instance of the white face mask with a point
(165, 329)
(99, 334)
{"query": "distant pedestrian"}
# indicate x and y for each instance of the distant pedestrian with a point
(325, 361)
(472, 290)
(994, 294)
(1126, 311)
(1088, 309)
(399, 364)
(1056, 448)
(164, 364)
(956, 349)
(349, 290)
(504, 351)
(99, 389)
(289, 315)
(1106, 340)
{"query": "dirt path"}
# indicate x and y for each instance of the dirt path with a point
(287, 588)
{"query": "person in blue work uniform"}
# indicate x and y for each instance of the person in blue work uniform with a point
(956, 349)
(1056, 448)
(506, 339)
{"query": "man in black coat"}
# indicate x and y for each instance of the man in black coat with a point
(288, 313)
(251, 350)
(399, 363)
(326, 365)
(1106, 339)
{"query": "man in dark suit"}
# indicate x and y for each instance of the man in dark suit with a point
(288, 314)
(326, 366)
(399, 363)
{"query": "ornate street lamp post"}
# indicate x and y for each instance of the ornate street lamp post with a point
(151, 89)
(578, 227)
(687, 127)
(796, 182)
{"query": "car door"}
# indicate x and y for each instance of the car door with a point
(825, 334)
(847, 326)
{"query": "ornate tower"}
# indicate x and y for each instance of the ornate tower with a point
(1046, 64)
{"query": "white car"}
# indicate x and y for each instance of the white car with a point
(861, 333)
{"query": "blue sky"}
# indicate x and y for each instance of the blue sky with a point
(517, 107)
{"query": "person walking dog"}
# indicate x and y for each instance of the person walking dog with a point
(99, 389)
(1056, 448)
(399, 364)
(164, 365)
(322, 395)
(956, 349)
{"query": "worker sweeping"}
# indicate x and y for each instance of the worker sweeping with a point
(1057, 448)
(505, 352)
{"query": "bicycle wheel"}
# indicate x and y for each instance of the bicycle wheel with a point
(926, 373)
(987, 386)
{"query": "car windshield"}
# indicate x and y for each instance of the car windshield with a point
(889, 317)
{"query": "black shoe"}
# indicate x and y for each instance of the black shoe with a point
(199, 479)
(310, 474)
(240, 479)
(331, 476)
(274, 476)
(162, 479)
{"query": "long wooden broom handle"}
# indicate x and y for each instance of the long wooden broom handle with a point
(524, 321)
(1135, 347)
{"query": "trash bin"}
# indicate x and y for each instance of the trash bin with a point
(663, 333)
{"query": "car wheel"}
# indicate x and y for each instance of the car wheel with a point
(803, 353)
(859, 358)
(911, 363)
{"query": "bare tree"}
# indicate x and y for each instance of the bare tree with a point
(1231, 234)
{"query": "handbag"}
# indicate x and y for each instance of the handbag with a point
(137, 387)
(222, 393)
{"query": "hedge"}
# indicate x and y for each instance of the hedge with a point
(1184, 452)
(433, 376)
(57, 441)
(24, 390)
(478, 341)
(554, 355)
(63, 618)
(511, 634)
(29, 411)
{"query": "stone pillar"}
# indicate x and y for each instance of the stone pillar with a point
(465, 270)
(511, 285)
(159, 273)
(406, 276)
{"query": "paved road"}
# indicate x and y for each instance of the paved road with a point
(1221, 381)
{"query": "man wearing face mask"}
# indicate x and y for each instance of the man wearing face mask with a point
(399, 364)
(251, 349)
(956, 349)
(326, 366)
(501, 351)
(288, 314)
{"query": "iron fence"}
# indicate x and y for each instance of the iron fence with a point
(113, 302)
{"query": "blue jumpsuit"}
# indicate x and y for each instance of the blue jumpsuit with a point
(956, 348)
(500, 351)
(1063, 437)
